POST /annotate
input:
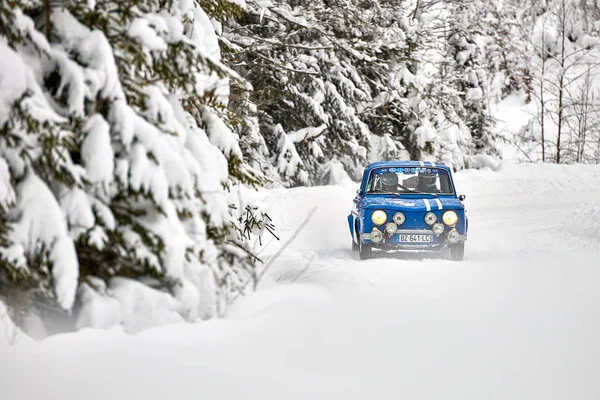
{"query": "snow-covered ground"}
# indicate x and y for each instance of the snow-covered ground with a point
(518, 319)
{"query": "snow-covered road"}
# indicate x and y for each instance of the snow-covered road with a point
(519, 318)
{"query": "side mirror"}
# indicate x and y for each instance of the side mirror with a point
(462, 197)
(358, 195)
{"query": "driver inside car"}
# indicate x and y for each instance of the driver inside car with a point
(389, 182)
(426, 182)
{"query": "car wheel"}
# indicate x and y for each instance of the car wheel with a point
(354, 246)
(457, 251)
(364, 250)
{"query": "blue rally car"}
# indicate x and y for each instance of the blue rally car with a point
(408, 205)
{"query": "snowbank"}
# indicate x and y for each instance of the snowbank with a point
(128, 303)
(279, 298)
(533, 178)
(584, 222)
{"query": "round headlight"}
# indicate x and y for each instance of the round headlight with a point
(437, 229)
(376, 235)
(391, 228)
(453, 236)
(430, 218)
(399, 218)
(450, 218)
(379, 217)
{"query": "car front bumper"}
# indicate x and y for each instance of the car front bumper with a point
(393, 242)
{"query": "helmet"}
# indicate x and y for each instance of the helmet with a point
(389, 181)
(427, 179)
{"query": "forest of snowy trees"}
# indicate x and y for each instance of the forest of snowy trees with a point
(130, 131)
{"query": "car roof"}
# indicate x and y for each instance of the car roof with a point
(403, 163)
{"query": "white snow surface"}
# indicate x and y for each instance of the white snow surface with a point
(517, 319)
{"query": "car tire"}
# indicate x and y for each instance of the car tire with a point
(457, 251)
(364, 250)
(354, 245)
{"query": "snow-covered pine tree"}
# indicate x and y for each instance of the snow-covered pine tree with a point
(38, 262)
(467, 64)
(128, 170)
(383, 40)
(246, 125)
(381, 74)
(456, 123)
(307, 91)
(505, 49)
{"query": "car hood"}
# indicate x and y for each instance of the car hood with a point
(412, 204)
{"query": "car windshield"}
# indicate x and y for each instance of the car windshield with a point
(409, 180)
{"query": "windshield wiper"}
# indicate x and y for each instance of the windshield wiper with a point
(419, 192)
(379, 191)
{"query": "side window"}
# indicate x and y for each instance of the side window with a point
(374, 183)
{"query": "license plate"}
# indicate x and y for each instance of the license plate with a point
(415, 238)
